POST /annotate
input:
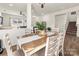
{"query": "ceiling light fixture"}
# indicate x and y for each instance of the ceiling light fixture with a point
(42, 5)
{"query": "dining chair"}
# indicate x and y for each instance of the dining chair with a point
(52, 46)
(55, 45)
(61, 43)
(9, 47)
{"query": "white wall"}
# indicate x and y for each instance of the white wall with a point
(77, 24)
(29, 16)
(72, 18)
(53, 20)
(60, 22)
(50, 20)
(35, 19)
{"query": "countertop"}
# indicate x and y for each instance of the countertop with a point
(5, 27)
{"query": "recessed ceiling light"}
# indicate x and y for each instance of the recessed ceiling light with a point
(10, 5)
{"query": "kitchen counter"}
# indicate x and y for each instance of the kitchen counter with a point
(5, 27)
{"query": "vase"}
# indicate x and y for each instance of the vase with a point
(42, 33)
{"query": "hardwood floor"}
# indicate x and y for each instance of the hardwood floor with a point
(40, 53)
(71, 45)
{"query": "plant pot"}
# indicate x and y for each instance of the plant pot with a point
(42, 33)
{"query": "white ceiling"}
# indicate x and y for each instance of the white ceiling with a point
(16, 6)
(36, 7)
(52, 7)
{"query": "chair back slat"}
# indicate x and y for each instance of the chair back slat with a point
(53, 45)
(8, 44)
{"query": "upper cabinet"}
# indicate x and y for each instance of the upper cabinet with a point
(17, 21)
(13, 20)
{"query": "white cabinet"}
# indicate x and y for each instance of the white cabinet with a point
(17, 21)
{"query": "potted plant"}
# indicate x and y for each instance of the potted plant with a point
(41, 27)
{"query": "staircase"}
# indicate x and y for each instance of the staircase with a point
(72, 29)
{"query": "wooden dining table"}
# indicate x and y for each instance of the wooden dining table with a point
(33, 42)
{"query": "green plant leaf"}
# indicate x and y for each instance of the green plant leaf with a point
(40, 25)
